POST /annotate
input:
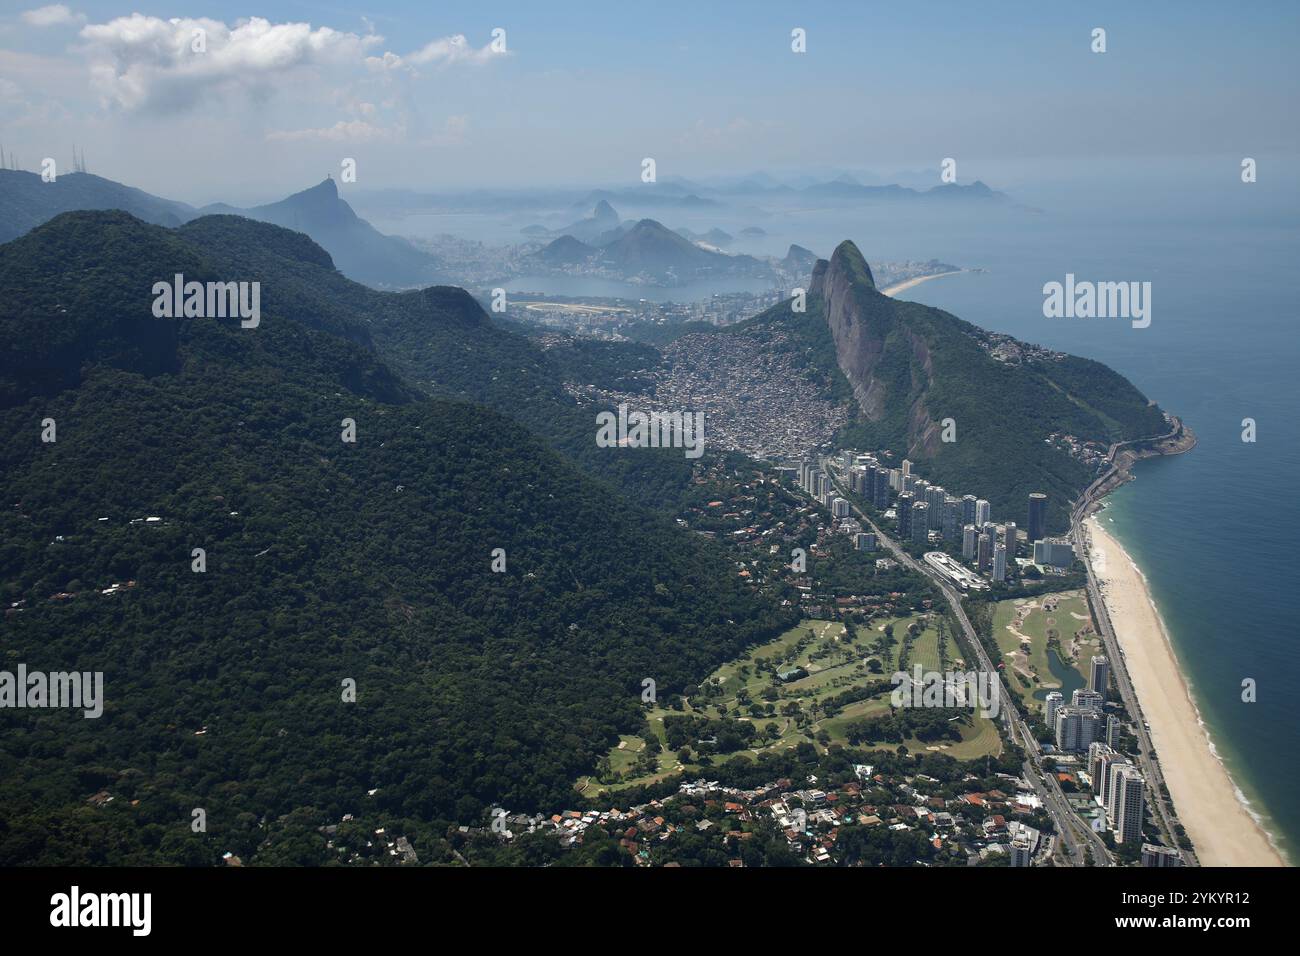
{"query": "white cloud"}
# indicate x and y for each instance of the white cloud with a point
(147, 63)
(444, 52)
(140, 62)
(54, 15)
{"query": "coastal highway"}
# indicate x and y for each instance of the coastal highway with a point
(1147, 763)
(1073, 832)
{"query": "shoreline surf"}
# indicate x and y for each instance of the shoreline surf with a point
(1224, 830)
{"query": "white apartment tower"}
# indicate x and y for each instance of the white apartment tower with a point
(1054, 700)
(1129, 805)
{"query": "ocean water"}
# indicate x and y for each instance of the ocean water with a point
(1216, 531)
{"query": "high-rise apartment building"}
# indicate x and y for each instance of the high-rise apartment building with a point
(935, 497)
(1153, 855)
(1087, 697)
(903, 511)
(999, 564)
(1037, 525)
(1077, 727)
(1129, 805)
(1054, 552)
(952, 518)
(920, 522)
(1099, 674)
(1053, 701)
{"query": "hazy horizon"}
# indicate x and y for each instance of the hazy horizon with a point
(433, 100)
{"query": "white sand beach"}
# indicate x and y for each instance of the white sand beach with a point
(893, 290)
(1205, 799)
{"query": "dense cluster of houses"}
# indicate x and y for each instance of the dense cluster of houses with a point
(758, 516)
(973, 826)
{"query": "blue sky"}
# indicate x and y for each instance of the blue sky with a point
(585, 91)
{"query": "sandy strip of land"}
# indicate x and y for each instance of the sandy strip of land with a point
(1207, 804)
(904, 286)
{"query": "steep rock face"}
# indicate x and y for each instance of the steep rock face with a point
(1024, 418)
(864, 325)
(798, 260)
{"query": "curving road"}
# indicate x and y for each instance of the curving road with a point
(1149, 765)
(1073, 833)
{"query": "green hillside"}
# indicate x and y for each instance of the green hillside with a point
(921, 365)
(325, 561)
(26, 200)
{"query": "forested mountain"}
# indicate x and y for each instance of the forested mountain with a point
(907, 367)
(443, 343)
(565, 251)
(325, 561)
(650, 248)
(26, 200)
(360, 251)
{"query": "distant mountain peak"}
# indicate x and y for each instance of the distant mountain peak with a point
(800, 260)
(325, 194)
(565, 250)
(910, 366)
